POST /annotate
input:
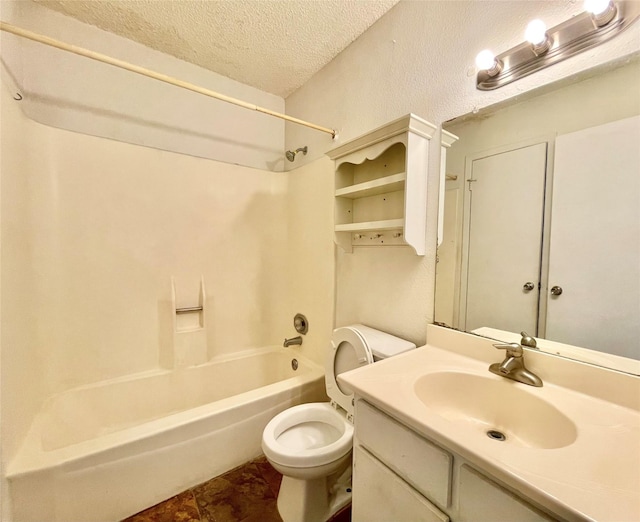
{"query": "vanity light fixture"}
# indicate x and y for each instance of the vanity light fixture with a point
(600, 21)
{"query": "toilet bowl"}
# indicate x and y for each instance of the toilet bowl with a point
(307, 441)
(311, 444)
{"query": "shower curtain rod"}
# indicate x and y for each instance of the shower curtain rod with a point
(18, 31)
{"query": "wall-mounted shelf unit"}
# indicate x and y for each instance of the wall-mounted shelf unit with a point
(381, 186)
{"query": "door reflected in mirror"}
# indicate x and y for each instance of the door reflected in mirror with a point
(542, 220)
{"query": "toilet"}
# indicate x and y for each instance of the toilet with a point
(310, 444)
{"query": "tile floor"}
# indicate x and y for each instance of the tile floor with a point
(245, 494)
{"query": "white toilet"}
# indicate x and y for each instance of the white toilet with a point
(311, 444)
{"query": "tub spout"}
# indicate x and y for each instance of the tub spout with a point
(292, 341)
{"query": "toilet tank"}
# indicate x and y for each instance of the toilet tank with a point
(381, 344)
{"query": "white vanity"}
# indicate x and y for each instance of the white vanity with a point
(422, 452)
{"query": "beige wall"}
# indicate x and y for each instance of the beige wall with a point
(309, 255)
(419, 58)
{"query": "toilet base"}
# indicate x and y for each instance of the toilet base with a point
(315, 500)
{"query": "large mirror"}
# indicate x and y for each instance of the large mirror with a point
(542, 219)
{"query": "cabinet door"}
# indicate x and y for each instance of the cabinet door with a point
(480, 499)
(422, 464)
(379, 495)
(595, 239)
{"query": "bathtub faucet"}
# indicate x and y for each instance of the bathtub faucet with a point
(292, 341)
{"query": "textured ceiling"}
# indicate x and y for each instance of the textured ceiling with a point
(275, 46)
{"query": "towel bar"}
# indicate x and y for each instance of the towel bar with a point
(189, 309)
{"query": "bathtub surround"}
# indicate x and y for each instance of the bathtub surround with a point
(106, 225)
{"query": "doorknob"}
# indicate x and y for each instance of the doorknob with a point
(528, 286)
(556, 290)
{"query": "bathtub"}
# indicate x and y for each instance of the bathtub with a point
(106, 451)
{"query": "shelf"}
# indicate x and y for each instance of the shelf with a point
(387, 224)
(391, 183)
(381, 186)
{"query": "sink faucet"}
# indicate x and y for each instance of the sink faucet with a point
(528, 341)
(513, 366)
(292, 341)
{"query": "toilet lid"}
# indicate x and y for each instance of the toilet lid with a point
(348, 352)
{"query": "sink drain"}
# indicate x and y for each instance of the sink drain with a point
(496, 435)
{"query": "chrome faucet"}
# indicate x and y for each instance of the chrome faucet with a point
(513, 365)
(292, 341)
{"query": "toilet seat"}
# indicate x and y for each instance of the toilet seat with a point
(349, 351)
(335, 440)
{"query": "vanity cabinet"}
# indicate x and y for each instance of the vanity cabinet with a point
(400, 475)
(381, 186)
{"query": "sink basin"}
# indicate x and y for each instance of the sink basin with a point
(496, 406)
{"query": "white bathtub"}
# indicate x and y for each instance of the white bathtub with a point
(106, 451)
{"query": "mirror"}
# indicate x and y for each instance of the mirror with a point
(542, 219)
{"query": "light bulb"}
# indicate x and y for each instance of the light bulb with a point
(596, 7)
(536, 35)
(485, 60)
(602, 11)
(536, 32)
